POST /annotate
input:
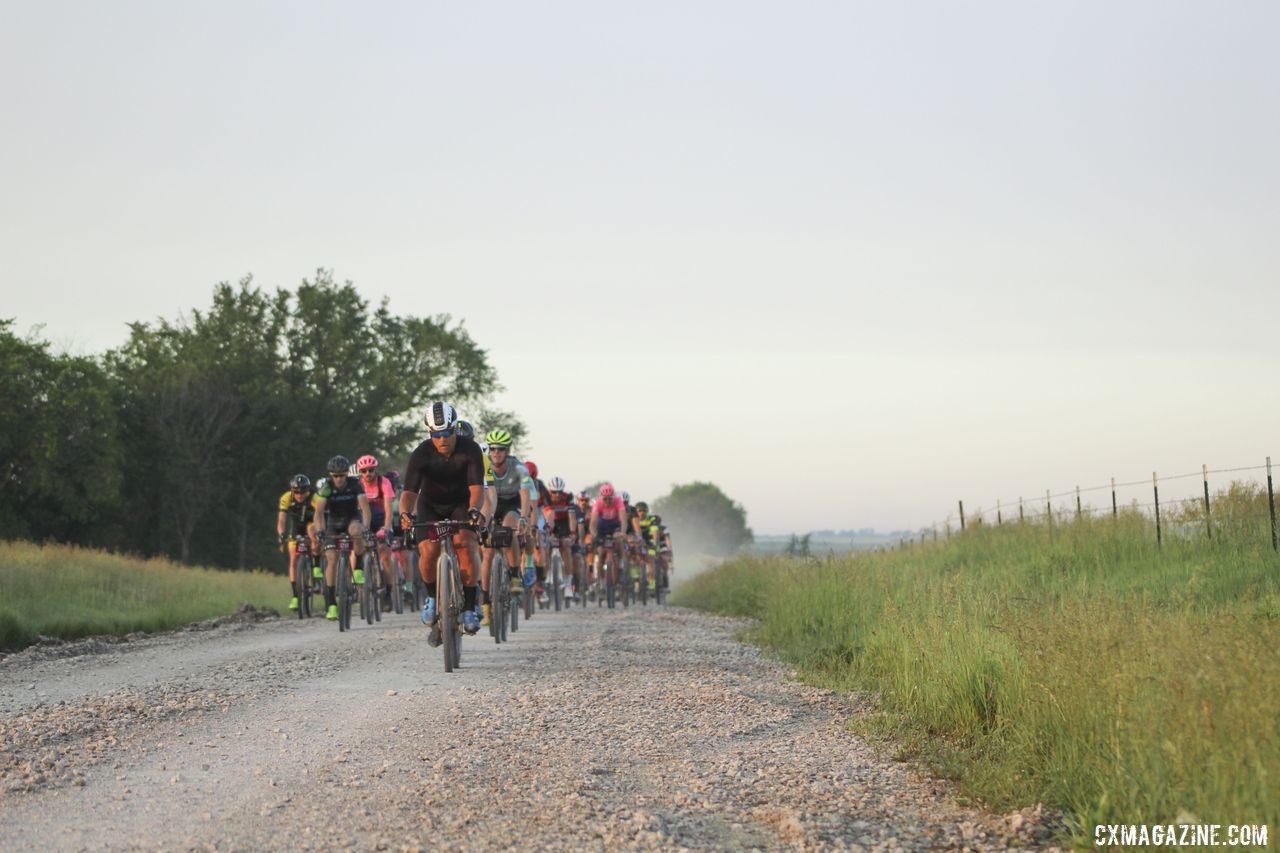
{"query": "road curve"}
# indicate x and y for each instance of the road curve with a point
(645, 729)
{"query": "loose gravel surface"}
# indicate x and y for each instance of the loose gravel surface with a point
(644, 729)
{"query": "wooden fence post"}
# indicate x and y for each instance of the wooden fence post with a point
(1271, 501)
(1155, 488)
(1077, 503)
(1208, 523)
(961, 515)
(1114, 511)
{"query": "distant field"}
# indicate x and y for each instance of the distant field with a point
(66, 592)
(820, 545)
(1078, 666)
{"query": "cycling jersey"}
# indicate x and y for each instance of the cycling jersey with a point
(341, 504)
(508, 487)
(301, 513)
(381, 497)
(611, 510)
(560, 506)
(648, 528)
(444, 482)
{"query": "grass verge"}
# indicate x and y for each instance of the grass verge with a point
(67, 592)
(1075, 665)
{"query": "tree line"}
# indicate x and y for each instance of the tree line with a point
(179, 442)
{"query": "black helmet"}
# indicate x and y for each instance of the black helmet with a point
(465, 429)
(339, 465)
(642, 507)
(300, 483)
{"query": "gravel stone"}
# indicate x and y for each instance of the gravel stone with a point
(645, 729)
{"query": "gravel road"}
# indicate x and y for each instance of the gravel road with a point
(645, 729)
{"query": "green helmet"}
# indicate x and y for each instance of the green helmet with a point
(500, 437)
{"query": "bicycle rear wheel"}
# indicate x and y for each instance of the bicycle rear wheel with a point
(609, 591)
(644, 585)
(528, 603)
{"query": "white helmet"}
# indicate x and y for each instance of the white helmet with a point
(556, 484)
(440, 417)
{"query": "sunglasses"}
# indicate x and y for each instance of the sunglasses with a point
(444, 433)
(499, 449)
(368, 470)
(341, 476)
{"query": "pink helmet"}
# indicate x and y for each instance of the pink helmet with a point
(533, 468)
(365, 462)
(606, 490)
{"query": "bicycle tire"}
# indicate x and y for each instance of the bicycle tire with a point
(371, 606)
(344, 593)
(610, 593)
(557, 580)
(446, 615)
(644, 585)
(302, 585)
(397, 575)
(497, 616)
(528, 603)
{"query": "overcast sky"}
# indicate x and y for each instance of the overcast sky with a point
(850, 261)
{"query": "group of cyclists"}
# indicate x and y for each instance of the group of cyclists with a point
(452, 476)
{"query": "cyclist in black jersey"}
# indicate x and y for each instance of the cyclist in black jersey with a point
(444, 479)
(340, 499)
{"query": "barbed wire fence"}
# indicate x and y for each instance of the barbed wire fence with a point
(1177, 516)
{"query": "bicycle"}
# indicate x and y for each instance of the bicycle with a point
(396, 544)
(497, 538)
(557, 574)
(345, 580)
(608, 568)
(303, 586)
(371, 595)
(449, 600)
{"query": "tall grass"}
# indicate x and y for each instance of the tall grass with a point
(1075, 665)
(62, 591)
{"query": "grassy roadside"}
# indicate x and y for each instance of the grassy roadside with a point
(67, 592)
(1076, 666)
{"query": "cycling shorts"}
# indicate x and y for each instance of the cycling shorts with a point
(377, 522)
(561, 528)
(443, 512)
(607, 527)
(506, 505)
(337, 524)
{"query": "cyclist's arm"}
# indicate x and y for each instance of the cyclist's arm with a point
(595, 524)
(526, 506)
(366, 513)
(321, 504)
(280, 522)
(408, 501)
(479, 499)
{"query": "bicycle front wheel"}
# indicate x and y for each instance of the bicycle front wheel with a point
(497, 579)
(302, 585)
(344, 594)
(557, 579)
(447, 610)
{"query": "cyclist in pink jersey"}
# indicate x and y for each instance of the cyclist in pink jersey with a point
(381, 496)
(607, 515)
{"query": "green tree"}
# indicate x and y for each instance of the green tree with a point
(58, 443)
(223, 406)
(703, 519)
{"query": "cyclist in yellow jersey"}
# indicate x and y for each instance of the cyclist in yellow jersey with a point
(297, 505)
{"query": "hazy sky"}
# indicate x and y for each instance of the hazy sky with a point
(850, 261)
